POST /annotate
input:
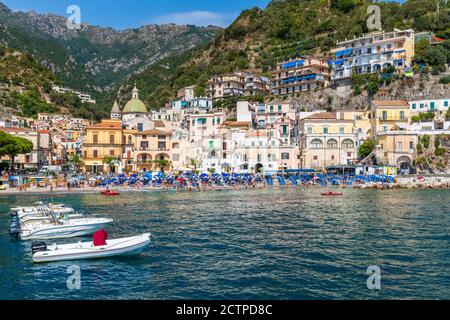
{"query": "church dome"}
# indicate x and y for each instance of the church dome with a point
(135, 105)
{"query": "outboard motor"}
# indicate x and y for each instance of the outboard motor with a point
(14, 231)
(39, 246)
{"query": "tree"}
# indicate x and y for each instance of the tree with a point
(12, 146)
(366, 149)
(76, 161)
(111, 162)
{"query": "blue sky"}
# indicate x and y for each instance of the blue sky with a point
(122, 14)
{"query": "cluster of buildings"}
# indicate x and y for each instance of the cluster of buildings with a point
(371, 53)
(259, 137)
(55, 137)
(192, 134)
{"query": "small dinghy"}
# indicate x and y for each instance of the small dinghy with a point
(90, 250)
(332, 194)
(110, 193)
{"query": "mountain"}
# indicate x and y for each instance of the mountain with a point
(95, 59)
(26, 89)
(259, 38)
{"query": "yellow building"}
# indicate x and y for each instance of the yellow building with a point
(397, 148)
(103, 140)
(327, 139)
(387, 113)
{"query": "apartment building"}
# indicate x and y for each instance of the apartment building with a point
(327, 140)
(153, 150)
(300, 75)
(237, 84)
(372, 53)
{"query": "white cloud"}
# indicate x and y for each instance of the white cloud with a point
(199, 18)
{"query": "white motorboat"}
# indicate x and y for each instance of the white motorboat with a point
(23, 212)
(61, 228)
(87, 250)
(43, 218)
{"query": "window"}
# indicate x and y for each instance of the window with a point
(348, 144)
(341, 130)
(342, 116)
(332, 144)
(332, 157)
(309, 130)
(411, 145)
(315, 158)
(316, 144)
(111, 153)
(325, 130)
(400, 145)
(211, 144)
(285, 156)
(421, 106)
(432, 105)
(384, 116)
(111, 139)
(95, 138)
(95, 154)
(259, 157)
(176, 157)
(402, 115)
(175, 146)
(414, 106)
(144, 145)
(280, 108)
(445, 103)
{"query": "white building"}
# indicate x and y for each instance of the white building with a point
(84, 97)
(430, 105)
(372, 53)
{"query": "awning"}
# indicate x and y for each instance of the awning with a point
(339, 54)
(338, 62)
(348, 51)
(293, 64)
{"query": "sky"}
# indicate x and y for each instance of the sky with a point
(121, 14)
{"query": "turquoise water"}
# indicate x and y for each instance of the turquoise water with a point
(250, 244)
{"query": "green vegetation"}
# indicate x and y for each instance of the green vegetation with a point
(366, 149)
(31, 103)
(423, 117)
(419, 148)
(445, 80)
(258, 39)
(12, 146)
(426, 141)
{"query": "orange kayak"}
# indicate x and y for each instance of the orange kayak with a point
(109, 193)
(330, 194)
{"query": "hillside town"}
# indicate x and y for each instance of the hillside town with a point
(275, 136)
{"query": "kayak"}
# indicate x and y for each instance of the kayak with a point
(87, 250)
(110, 193)
(330, 194)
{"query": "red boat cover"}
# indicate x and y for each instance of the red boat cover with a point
(100, 238)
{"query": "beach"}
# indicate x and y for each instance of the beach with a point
(401, 182)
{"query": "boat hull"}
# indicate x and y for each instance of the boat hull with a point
(60, 232)
(135, 246)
